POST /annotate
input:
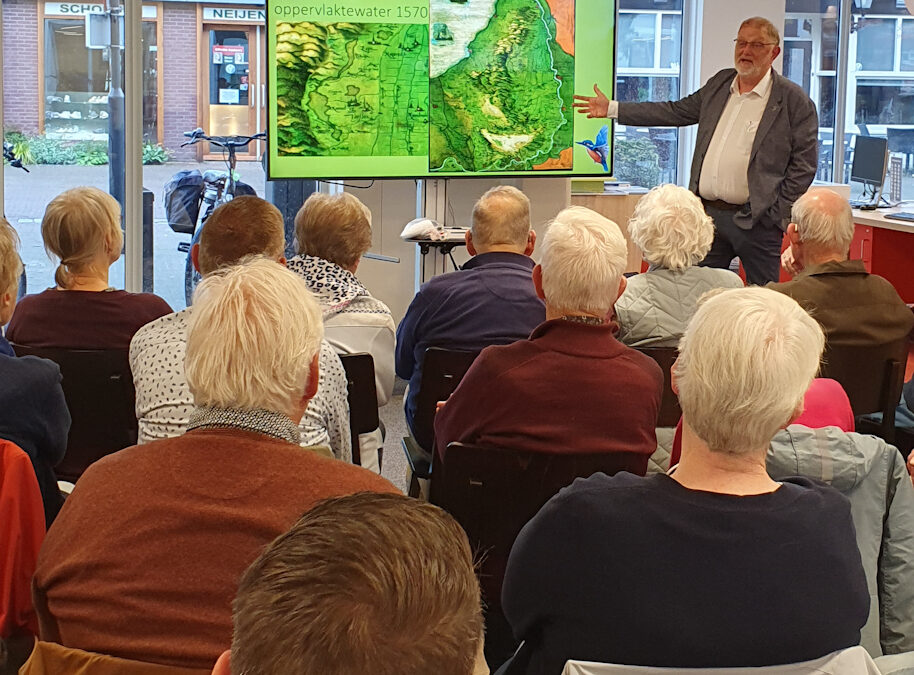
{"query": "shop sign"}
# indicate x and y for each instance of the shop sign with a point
(234, 15)
(83, 8)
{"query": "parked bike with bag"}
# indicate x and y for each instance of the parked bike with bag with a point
(190, 197)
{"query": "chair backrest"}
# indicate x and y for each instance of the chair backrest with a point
(363, 397)
(98, 387)
(670, 412)
(493, 492)
(442, 370)
(49, 658)
(850, 661)
(872, 376)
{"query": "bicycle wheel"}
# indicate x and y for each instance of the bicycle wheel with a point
(191, 276)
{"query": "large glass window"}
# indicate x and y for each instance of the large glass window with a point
(649, 49)
(875, 44)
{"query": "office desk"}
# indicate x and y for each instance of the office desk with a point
(886, 247)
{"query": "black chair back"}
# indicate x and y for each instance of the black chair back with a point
(363, 398)
(98, 387)
(670, 412)
(442, 370)
(872, 377)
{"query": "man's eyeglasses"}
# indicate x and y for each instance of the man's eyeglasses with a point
(754, 46)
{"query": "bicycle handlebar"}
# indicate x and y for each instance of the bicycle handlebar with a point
(11, 158)
(198, 135)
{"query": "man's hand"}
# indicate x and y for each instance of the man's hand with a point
(789, 263)
(439, 405)
(911, 465)
(593, 106)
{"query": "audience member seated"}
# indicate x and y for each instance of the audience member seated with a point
(490, 301)
(33, 411)
(855, 308)
(144, 558)
(82, 228)
(571, 387)
(871, 474)
(242, 227)
(716, 565)
(333, 232)
(379, 584)
(674, 233)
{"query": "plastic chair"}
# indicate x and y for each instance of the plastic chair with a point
(98, 387)
(442, 370)
(493, 492)
(873, 377)
(850, 661)
(670, 412)
(363, 398)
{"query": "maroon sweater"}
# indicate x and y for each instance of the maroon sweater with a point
(83, 319)
(145, 557)
(569, 388)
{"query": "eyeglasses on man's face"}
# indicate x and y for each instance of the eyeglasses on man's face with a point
(754, 46)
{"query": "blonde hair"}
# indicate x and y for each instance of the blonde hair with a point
(240, 228)
(253, 333)
(77, 226)
(584, 256)
(501, 217)
(671, 228)
(333, 227)
(10, 262)
(347, 590)
(745, 363)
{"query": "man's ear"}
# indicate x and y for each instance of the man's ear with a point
(623, 282)
(314, 375)
(793, 234)
(222, 666)
(674, 384)
(471, 249)
(531, 242)
(195, 257)
(538, 281)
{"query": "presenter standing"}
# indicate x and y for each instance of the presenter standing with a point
(755, 154)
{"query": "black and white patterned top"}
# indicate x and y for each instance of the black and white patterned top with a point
(164, 403)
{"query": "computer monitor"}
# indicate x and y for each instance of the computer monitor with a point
(871, 160)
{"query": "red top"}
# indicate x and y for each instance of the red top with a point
(83, 319)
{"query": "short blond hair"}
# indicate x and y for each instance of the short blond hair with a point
(745, 363)
(75, 228)
(501, 217)
(333, 227)
(671, 228)
(252, 336)
(584, 256)
(243, 227)
(765, 25)
(10, 262)
(347, 590)
(824, 220)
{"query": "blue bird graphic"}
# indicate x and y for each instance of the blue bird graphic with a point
(599, 148)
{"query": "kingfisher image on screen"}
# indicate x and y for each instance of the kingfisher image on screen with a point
(413, 88)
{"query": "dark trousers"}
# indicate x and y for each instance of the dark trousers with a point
(759, 248)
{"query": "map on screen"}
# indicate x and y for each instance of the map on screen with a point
(412, 88)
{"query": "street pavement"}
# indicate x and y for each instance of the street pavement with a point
(27, 195)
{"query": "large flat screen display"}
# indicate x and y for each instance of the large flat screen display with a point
(437, 88)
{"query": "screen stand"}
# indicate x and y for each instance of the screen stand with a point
(431, 203)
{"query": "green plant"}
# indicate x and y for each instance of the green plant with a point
(50, 151)
(153, 153)
(20, 143)
(91, 153)
(637, 161)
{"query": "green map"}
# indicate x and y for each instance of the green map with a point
(506, 106)
(351, 89)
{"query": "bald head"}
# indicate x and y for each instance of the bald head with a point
(824, 223)
(501, 222)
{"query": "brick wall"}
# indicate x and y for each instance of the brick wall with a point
(21, 84)
(179, 35)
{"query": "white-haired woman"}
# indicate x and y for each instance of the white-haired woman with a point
(82, 228)
(332, 234)
(674, 233)
(768, 571)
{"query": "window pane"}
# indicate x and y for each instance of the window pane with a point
(876, 44)
(637, 33)
(885, 101)
(646, 157)
(907, 45)
(670, 40)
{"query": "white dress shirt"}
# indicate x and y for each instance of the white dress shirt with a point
(725, 169)
(164, 402)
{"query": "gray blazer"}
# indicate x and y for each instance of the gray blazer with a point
(788, 131)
